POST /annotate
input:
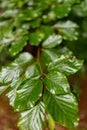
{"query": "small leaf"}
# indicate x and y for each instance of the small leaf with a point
(27, 94)
(67, 30)
(9, 74)
(48, 55)
(71, 2)
(9, 13)
(18, 45)
(81, 9)
(61, 10)
(51, 122)
(56, 83)
(32, 119)
(66, 65)
(47, 31)
(52, 41)
(63, 108)
(35, 38)
(23, 58)
(33, 71)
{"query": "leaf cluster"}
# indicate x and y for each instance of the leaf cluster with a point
(37, 82)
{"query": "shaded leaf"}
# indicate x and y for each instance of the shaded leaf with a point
(81, 9)
(18, 45)
(35, 38)
(61, 10)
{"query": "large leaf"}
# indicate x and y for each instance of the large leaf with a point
(52, 41)
(63, 108)
(32, 119)
(27, 94)
(67, 29)
(56, 83)
(66, 65)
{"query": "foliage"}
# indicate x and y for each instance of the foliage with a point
(36, 80)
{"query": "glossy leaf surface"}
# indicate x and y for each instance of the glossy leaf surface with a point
(32, 119)
(28, 94)
(67, 29)
(65, 65)
(52, 41)
(63, 108)
(56, 83)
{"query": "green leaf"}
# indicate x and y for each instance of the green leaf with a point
(47, 31)
(48, 55)
(32, 119)
(66, 65)
(35, 38)
(23, 58)
(9, 74)
(71, 2)
(28, 14)
(6, 35)
(81, 9)
(12, 91)
(18, 45)
(61, 10)
(52, 41)
(27, 94)
(56, 83)
(13, 71)
(51, 122)
(63, 108)
(33, 71)
(9, 13)
(2, 89)
(67, 29)
(35, 23)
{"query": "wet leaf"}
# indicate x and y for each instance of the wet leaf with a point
(63, 108)
(32, 119)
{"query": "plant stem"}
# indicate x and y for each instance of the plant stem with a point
(38, 59)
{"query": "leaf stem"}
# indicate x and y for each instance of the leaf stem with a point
(38, 59)
(43, 75)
